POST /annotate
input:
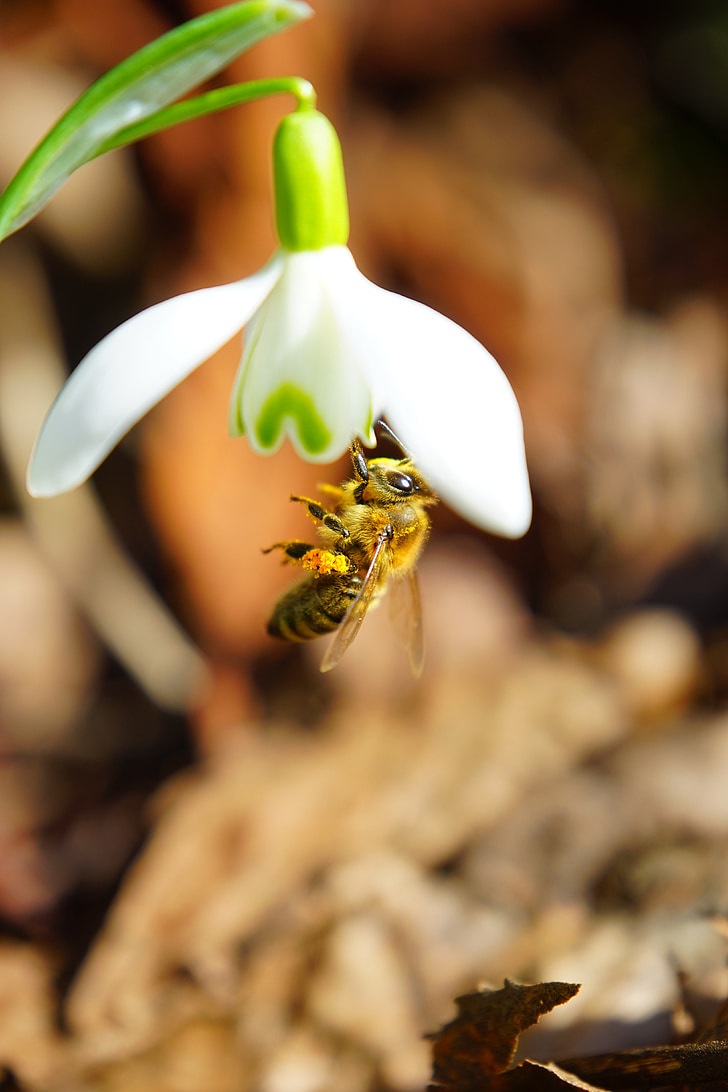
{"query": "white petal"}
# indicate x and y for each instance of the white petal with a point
(301, 374)
(131, 369)
(452, 406)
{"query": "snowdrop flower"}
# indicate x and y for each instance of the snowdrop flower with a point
(326, 353)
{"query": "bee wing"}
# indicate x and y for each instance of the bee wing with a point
(406, 615)
(352, 620)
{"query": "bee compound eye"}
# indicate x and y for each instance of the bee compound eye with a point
(400, 482)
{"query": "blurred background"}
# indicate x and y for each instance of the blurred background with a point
(222, 870)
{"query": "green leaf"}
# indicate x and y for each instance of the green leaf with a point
(137, 88)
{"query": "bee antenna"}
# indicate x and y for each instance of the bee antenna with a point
(382, 426)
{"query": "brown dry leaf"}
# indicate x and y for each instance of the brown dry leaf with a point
(474, 1050)
(30, 1044)
(689, 1067)
(534, 1077)
(243, 843)
(655, 658)
(656, 439)
(717, 1029)
(363, 992)
(203, 1053)
(481, 1041)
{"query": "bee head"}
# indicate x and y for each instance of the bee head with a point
(398, 481)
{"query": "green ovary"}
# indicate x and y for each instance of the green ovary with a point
(289, 401)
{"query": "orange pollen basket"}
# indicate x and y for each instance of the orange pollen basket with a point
(325, 562)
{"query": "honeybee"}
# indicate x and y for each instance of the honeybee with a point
(374, 535)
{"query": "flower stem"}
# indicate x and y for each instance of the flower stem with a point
(221, 98)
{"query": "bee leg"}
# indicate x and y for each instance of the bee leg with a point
(317, 560)
(294, 551)
(327, 518)
(359, 463)
(361, 471)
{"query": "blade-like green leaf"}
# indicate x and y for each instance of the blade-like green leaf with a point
(140, 86)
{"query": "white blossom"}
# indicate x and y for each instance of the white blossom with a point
(326, 353)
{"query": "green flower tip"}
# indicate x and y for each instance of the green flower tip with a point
(312, 211)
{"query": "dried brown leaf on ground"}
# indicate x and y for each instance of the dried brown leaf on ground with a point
(693, 1066)
(536, 1077)
(481, 1041)
(294, 891)
(474, 1051)
(256, 828)
(656, 439)
(30, 1043)
(717, 1028)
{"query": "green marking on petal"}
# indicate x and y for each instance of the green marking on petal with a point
(290, 401)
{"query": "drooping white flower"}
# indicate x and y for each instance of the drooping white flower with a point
(326, 353)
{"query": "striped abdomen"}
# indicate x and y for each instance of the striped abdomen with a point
(313, 607)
